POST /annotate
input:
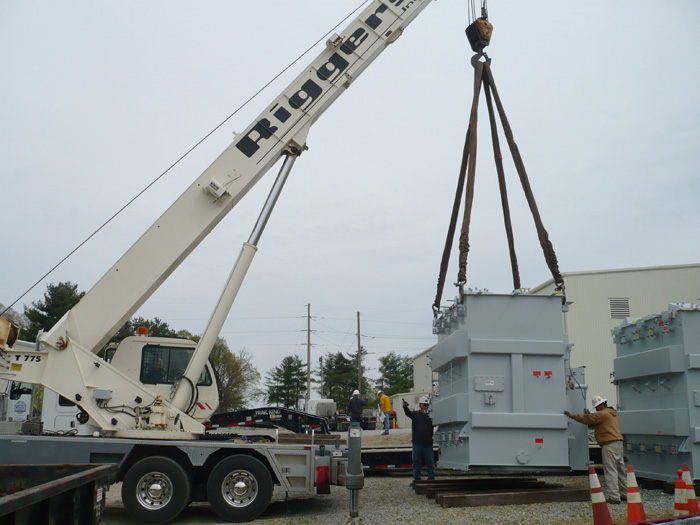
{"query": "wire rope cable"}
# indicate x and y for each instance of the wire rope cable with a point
(182, 157)
(472, 13)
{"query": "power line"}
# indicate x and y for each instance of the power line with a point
(384, 336)
(150, 184)
(227, 319)
(258, 331)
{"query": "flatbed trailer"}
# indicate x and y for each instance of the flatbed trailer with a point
(289, 418)
(236, 474)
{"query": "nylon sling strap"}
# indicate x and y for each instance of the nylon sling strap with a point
(498, 158)
(453, 226)
(547, 248)
(483, 75)
(478, 71)
(471, 175)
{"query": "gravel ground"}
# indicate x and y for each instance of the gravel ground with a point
(389, 499)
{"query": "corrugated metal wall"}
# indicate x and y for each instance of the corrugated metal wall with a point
(589, 321)
(422, 373)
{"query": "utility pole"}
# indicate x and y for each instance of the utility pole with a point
(320, 362)
(308, 354)
(359, 355)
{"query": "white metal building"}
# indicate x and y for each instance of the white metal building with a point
(422, 373)
(422, 379)
(603, 299)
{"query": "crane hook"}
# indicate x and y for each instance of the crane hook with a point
(479, 33)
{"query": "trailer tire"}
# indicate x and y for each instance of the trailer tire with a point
(156, 490)
(239, 488)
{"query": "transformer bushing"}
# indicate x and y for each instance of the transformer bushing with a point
(657, 372)
(504, 382)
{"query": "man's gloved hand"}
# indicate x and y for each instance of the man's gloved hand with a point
(405, 403)
(567, 413)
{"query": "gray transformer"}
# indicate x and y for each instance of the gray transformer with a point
(657, 371)
(503, 383)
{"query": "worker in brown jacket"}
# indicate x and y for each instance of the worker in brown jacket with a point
(607, 434)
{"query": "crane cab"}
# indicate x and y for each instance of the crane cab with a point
(158, 362)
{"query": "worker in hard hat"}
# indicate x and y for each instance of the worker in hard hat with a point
(385, 407)
(607, 433)
(355, 407)
(422, 437)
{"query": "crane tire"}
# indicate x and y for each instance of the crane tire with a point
(156, 490)
(239, 488)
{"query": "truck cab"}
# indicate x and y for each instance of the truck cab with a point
(15, 396)
(155, 362)
(158, 362)
(15, 400)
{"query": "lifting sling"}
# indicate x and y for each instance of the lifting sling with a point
(484, 77)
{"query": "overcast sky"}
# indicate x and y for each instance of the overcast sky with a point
(99, 98)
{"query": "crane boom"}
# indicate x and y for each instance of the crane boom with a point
(63, 361)
(283, 124)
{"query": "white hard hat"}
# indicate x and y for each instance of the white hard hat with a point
(598, 400)
(380, 392)
(356, 393)
(424, 400)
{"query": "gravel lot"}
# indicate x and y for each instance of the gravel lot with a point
(388, 499)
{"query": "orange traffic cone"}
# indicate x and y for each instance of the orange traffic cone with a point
(601, 514)
(680, 505)
(635, 509)
(693, 508)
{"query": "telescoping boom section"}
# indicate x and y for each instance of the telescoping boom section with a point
(65, 360)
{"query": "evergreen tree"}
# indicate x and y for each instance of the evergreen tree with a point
(365, 387)
(286, 383)
(396, 374)
(340, 378)
(42, 315)
(156, 328)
